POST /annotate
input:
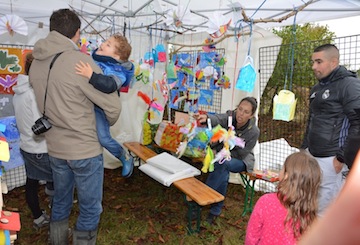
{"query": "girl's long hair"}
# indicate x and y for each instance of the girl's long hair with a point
(298, 191)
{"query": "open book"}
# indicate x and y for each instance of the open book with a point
(166, 169)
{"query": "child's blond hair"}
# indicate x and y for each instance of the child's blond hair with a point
(298, 191)
(123, 47)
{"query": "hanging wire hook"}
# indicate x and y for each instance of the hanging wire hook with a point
(291, 54)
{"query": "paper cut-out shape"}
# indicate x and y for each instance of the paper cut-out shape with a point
(4, 151)
(247, 76)
(206, 97)
(218, 25)
(284, 106)
(12, 23)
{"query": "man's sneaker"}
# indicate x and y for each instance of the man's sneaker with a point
(42, 221)
(128, 165)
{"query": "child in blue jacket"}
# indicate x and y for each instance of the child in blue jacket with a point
(112, 57)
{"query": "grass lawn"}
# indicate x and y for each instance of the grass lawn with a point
(139, 210)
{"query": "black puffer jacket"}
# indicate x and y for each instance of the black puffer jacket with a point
(332, 116)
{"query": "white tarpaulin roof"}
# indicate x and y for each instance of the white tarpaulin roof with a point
(138, 15)
(113, 15)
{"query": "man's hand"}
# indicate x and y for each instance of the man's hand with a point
(84, 69)
(337, 165)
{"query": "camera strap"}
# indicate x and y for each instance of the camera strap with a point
(47, 81)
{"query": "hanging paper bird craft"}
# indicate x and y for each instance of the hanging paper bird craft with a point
(223, 82)
(178, 17)
(229, 139)
(218, 25)
(208, 47)
(13, 24)
(153, 105)
(190, 96)
(189, 131)
(195, 142)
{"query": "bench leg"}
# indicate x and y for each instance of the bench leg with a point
(249, 194)
(193, 210)
(136, 158)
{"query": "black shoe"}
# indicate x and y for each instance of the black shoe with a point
(211, 218)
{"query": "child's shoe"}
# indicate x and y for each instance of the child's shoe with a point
(42, 221)
(128, 165)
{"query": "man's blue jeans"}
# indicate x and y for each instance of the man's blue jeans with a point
(87, 176)
(219, 179)
(103, 132)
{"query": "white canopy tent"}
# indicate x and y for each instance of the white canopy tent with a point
(136, 19)
(115, 15)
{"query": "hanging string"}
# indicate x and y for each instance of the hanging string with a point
(250, 36)
(235, 69)
(124, 30)
(257, 9)
(187, 6)
(291, 55)
(129, 32)
(237, 29)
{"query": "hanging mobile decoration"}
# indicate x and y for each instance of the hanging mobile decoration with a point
(178, 17)
(154, 107)
(285, 101)
(13, 24)
(247, 74)
(218, 25)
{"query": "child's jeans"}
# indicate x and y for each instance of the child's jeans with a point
(103, 132)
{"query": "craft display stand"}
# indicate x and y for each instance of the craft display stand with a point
(249, 179)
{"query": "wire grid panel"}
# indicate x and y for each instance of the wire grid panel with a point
(272, 80)
(215, 106)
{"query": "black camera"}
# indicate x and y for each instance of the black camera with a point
(41, 125)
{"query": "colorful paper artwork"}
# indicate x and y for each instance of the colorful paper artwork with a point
(6, 83)
(206, 97)
(6, 105)
(11, 61)
(174, 96)
(184, 80)
(12, 136)
(214, 79)
(218, 25)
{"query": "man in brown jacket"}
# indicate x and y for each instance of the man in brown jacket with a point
(67, 100)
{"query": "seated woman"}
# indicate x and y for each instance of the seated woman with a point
(282, 217)
(242, 159)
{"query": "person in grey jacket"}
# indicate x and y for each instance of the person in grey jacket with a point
(75, 154)
(32, 147)
(242, 159)
(332, 117)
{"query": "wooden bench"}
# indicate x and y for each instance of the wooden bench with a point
(196, 193)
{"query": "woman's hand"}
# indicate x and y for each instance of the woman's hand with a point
(83, 69)
(201, 118)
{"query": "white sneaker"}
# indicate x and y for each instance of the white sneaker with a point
(42, 221)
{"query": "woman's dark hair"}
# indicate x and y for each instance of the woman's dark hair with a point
(28, 60)
(65, 21)
(253, 103)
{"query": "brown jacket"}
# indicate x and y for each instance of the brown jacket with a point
(70, 99)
